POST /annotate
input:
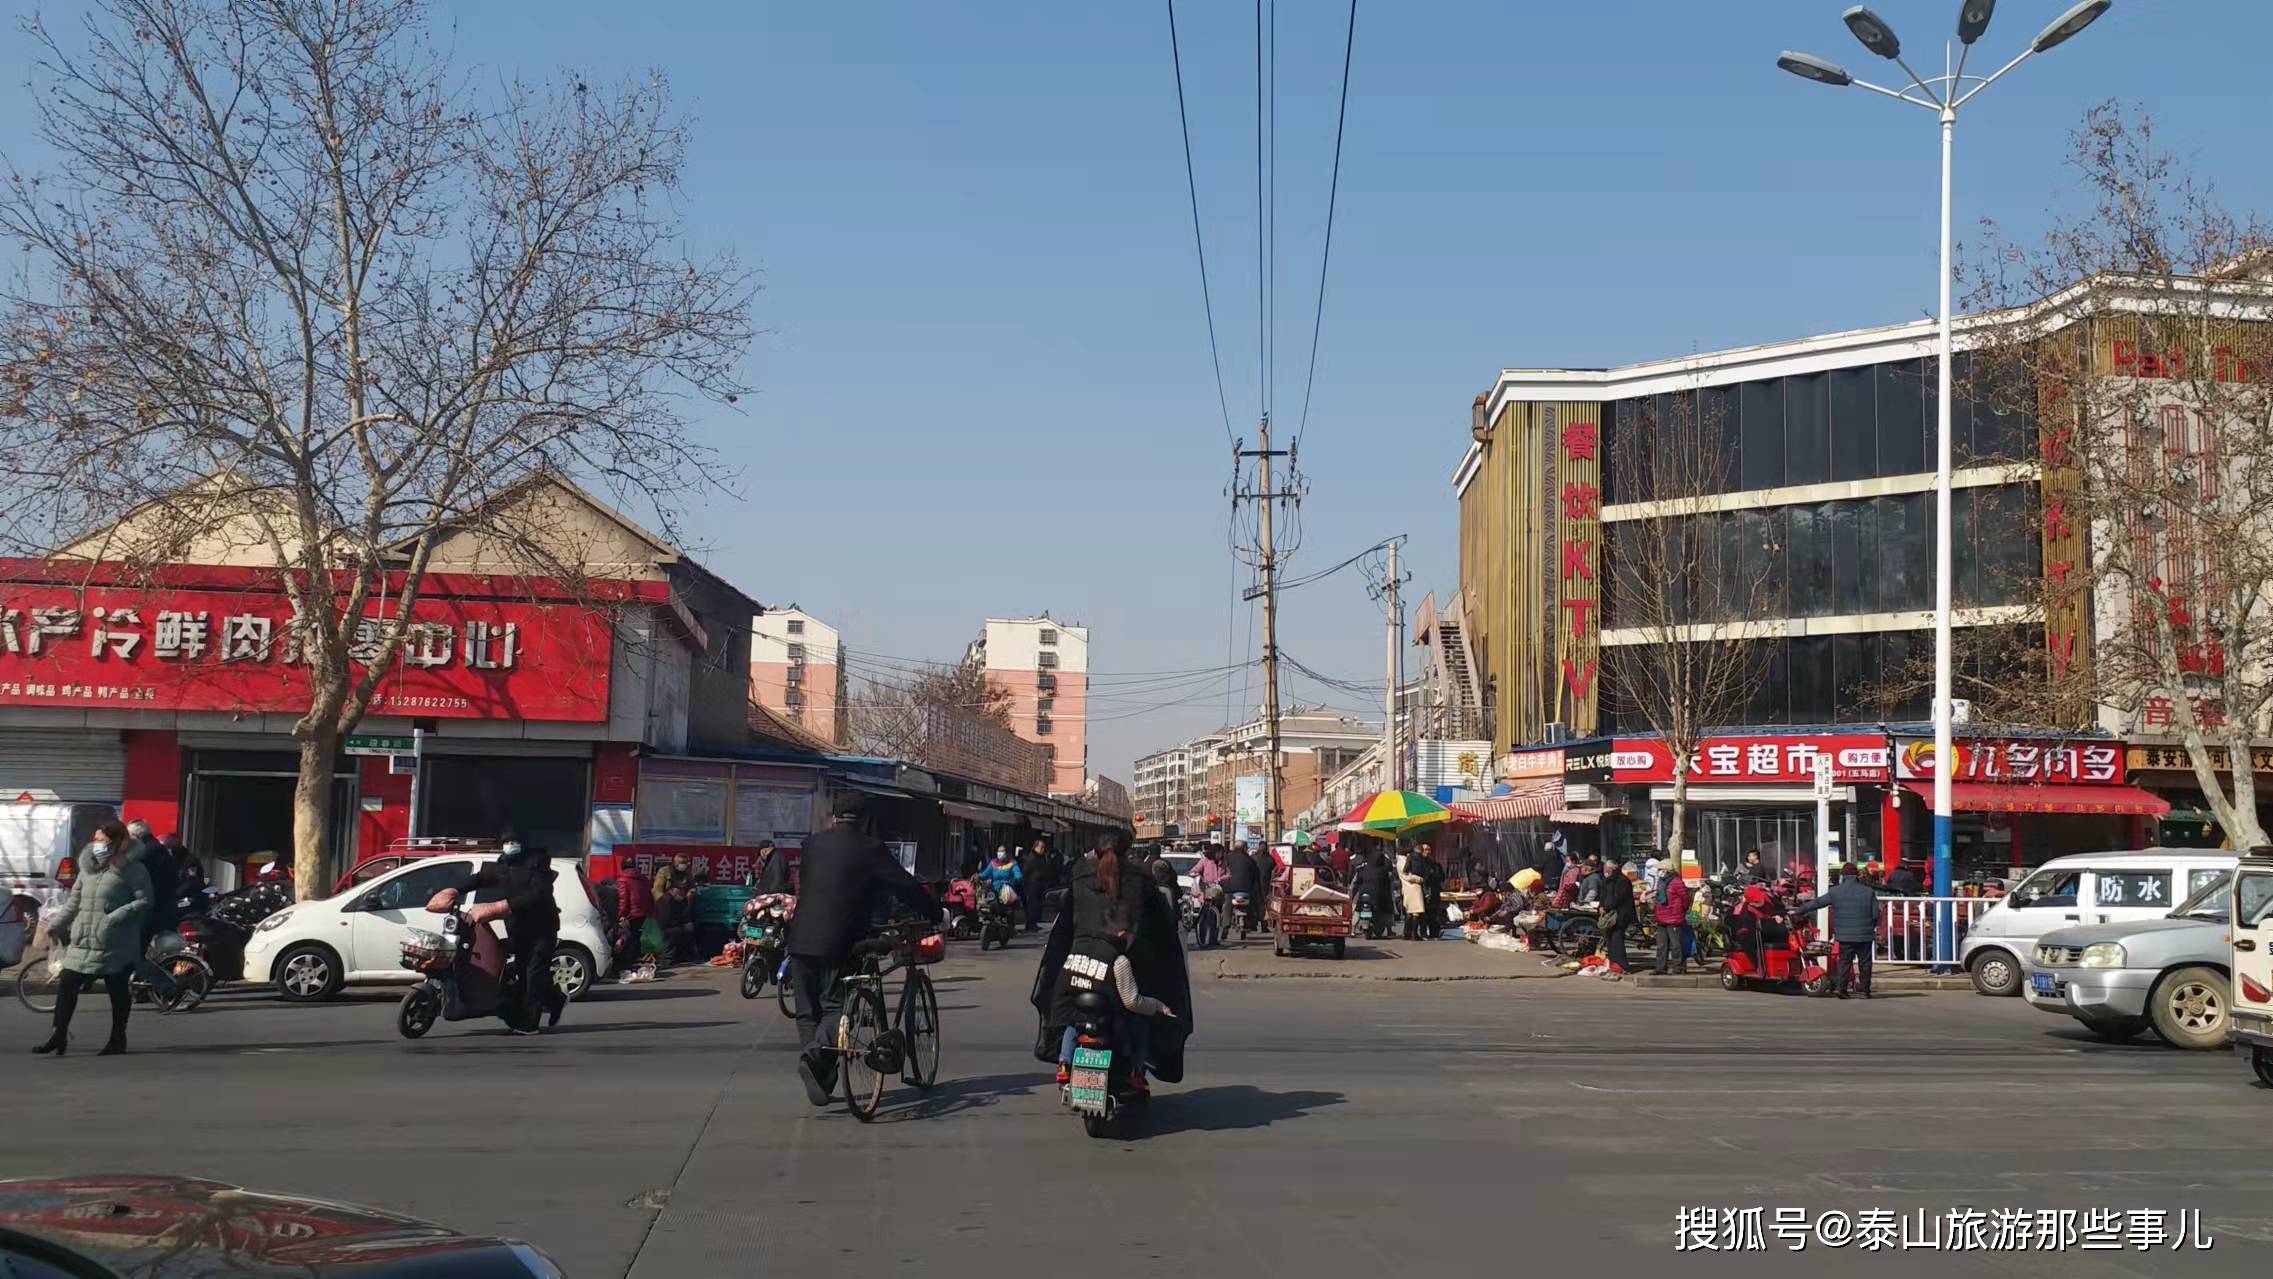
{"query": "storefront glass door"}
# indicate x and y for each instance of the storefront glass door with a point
(1785, 838)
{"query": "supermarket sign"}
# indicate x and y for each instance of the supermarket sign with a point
(1755, 760)
(2010, 760)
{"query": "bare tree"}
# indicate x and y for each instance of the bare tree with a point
(291, 276)
(2140, 333)
(896, 717)
(1689, 596)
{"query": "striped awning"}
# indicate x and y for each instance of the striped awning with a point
(1581, 816)
(1521, 803)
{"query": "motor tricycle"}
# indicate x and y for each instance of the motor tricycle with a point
(1767, 951)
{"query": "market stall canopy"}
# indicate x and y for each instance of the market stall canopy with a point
(1581, 816)
(1533, 799)
(1996, 797)
(1394, 812)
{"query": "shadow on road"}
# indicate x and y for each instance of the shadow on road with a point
(953, 1096)
(640, 991)
(1229, 1107)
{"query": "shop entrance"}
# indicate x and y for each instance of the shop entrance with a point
(1785, 838)
(239, 808)
(545, 801)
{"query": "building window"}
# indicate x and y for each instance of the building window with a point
(1042, 725)
(796, 626)
(1048, 683)
(1047, 661)
(1049, 638)
(795, 676)
(1043, 705)
(796, 654)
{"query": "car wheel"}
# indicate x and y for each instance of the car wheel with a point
(572, 971)
(308, 973)
(1996, 972)
(2189, 1008)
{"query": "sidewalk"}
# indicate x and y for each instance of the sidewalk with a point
(1883, 979)
(1252, 960)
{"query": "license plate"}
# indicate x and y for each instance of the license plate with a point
(2042, 984)
(1092, 1058)
(1087, 1092)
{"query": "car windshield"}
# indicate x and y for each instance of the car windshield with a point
(2212, 900)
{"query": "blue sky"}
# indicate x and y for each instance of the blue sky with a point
(983, 386)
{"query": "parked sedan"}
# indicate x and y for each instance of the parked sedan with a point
(2119, 979)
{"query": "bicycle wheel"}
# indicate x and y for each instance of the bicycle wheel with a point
(35, 985)
(781, 992)
(186, 980)
(857, 1033)
(919, 1026)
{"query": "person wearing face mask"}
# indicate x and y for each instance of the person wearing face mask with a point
(100, 928)
(524, 882)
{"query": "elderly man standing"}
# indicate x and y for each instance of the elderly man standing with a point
(1854, 923)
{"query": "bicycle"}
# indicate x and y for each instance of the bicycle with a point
(170, 978)
(870, 1048)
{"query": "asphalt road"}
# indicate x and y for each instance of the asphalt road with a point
(1327, 1128)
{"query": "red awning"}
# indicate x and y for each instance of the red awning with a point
(1534, 799)
(2014, 797)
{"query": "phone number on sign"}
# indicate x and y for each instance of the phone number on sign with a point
(1954, 1230)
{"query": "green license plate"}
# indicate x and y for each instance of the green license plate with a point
(1092, 1058)
(1087, 1092)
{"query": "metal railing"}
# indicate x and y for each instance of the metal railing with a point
(1924, 930)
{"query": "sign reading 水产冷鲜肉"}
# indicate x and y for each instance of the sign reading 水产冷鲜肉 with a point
(219, 650)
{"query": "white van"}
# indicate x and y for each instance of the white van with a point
(311, 949)
(39, 845)
(2081, 888)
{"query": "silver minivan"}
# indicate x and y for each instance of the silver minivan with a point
(2079, 889)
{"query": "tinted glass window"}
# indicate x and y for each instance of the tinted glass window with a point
(1809, 554)
(1905, 552)
(1910, 696)
(1762, 546)
(1807, 424)
(1763, 413)
(1720, 421)
(1811, 680)
(1854, 424)
(1768, 699)
(1847, 566)
(410, 890)
(1854, 666)
(1615, 422)
(2001, 414)
(1901, 418)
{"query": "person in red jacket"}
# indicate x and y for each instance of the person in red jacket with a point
(635, 901)
(1671, 914)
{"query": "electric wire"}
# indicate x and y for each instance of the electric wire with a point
(1326, 254)
(1199, 243)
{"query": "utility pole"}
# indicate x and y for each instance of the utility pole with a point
(1273, 782)
(1393, 756)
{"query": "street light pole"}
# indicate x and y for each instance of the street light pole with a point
(1944, 94)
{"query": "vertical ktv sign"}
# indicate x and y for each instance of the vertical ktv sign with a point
(1576, 435)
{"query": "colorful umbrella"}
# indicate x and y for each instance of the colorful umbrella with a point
(1394, 812)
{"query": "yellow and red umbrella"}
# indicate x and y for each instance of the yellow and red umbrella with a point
(1395, 812)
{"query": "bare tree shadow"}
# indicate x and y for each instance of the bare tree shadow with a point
(1229, 1107)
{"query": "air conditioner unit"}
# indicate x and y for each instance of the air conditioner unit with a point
(1960, 711)
(1556, 734)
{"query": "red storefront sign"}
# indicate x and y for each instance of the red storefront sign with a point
(2007, 760)
(1754, 760)
(223, 650)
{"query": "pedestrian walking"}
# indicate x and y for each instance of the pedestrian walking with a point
(100, 928)
(1431, 872)
(1854, 924)
(1036, 867)
(1671, 915)
(157, 862)
(844, 874)
(1616, 900)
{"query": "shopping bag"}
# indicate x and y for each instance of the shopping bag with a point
(651, 938)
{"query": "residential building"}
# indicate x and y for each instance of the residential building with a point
(1159, 795)
(1104, 795)
(1314, 745)
(1044, 666)
(798, 671)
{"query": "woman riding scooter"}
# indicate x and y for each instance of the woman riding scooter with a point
(1119, 926)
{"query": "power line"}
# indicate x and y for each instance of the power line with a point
(1199, 245)
(1326, 255)
(1262, 250)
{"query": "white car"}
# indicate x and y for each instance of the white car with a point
(2077, 890)
(312, 949)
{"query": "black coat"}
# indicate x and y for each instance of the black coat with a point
(524, 884)
(775, 877)
(844, 875)
(1375, 880)
(1156, 953)
(1245, 876)
(1617, 899)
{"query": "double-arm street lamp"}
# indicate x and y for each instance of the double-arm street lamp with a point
(1942, 95)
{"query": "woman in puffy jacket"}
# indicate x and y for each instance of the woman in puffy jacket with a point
(100, 928)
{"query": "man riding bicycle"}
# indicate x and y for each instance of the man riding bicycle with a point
(843, 875)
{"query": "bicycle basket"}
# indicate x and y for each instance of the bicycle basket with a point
(427, 952)
(932, 949)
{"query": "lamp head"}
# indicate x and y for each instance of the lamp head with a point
(1973, 19)
(1809, 67)
(2065, 27)
(1872, 31)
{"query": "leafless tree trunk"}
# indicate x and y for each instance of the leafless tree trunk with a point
(294, 280)
(1690, 602)
(2142, 331)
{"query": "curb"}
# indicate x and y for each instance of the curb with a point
(1304, 975)
(1652, 981)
